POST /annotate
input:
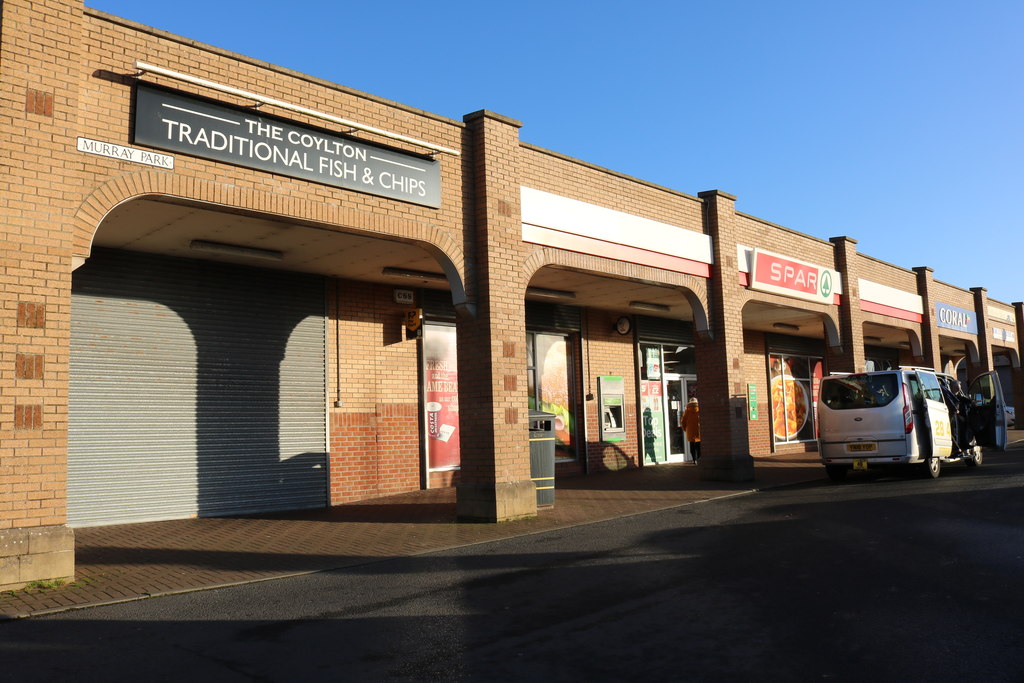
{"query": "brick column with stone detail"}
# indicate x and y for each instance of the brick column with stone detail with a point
(932, 357)
(985, 362)
(1018, 372)
(41, 42)
(725, 450)
(851, 320)
(494, 482)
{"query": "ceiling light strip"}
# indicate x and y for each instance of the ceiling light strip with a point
(149, 68)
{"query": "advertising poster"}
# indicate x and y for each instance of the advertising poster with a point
(793, 385)
(441, 396)
(553, 368)
(654, 421)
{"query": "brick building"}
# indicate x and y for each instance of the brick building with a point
(229, 288)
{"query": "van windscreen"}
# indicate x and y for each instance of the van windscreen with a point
(859, 391)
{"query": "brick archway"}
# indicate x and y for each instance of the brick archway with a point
(155, 184)
(690, 287)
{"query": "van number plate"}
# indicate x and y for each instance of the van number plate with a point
(861, 447)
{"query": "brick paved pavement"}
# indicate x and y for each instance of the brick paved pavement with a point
(131, 561)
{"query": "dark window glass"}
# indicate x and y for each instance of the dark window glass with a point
(859, 391)
(931, 387)
(680, 359)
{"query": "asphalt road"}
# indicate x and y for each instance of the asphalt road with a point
(883, 578)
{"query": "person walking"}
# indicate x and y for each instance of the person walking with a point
(690, 422)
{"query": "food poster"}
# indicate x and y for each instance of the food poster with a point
(553, 371)
(791, 388)
(654, 422)
(441, 396)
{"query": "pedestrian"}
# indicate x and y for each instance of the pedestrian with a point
(690, 422)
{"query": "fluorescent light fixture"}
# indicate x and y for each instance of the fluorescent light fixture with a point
(236, 250)
(262, 99)
(414, 274)
(786, 326)
(647, 306)
(872, 339)
(550, 293)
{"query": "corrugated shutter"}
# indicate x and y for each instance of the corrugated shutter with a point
(196, 388)
(784, 343)
(545, 316)
(437, 304)
(649, 328)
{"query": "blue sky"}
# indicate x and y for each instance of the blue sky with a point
(896, 123)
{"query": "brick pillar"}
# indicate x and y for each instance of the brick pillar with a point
(1017, 371)
(929, 330)
(985, 362)
(39, 49)
(851, 320)
(721, 384)
(494, 482)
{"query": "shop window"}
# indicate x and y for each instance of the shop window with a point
(551, 385)
(794, 384)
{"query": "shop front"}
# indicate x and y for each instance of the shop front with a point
(209, 312)
(668, 379)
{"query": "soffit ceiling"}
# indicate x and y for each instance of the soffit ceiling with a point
(169, 227)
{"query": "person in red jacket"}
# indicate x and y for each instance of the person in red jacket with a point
(690, 422)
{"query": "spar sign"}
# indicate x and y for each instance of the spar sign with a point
(789, 277)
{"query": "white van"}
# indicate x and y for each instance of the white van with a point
(907, 416)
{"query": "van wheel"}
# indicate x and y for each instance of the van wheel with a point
(933, 466)
(975, 459)
(836, 472)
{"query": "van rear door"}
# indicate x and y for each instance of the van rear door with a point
(861, 416)
(941, 430)
(987, 415)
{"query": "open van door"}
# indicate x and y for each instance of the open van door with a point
(988, 411)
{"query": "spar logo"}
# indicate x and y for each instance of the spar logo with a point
(826, 284)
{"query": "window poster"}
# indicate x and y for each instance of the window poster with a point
(552, 353)
(793, 388)
(441, 396)
(654, 421)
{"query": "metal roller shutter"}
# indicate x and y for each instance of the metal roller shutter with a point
(196, 388)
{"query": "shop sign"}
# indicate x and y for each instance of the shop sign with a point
(999, 334)
(180, 123)
(790, 277)
(953, 318)
(752, 401)
(1001, 315)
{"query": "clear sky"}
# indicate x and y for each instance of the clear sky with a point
(895, 122)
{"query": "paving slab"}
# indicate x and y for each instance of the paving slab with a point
(133, 561)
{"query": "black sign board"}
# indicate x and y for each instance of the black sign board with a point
(181, 123)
